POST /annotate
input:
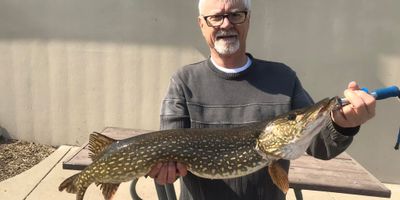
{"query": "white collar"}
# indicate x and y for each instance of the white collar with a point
(233, 70)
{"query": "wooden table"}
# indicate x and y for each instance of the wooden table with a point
(342, 174)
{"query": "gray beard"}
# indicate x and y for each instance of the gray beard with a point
(226, 48)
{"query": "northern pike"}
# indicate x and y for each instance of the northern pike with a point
(213, 153)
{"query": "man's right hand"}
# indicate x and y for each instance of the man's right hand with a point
(164, 173)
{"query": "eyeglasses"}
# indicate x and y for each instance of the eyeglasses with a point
(233, 17)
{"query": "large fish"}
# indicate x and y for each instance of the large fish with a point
(213, 153)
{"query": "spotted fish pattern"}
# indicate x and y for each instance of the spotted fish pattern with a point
(213, 153)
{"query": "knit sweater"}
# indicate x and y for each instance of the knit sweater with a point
(200, 95)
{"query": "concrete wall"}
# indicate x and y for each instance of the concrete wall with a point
(70, 67)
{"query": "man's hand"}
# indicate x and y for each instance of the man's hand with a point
(164, 173)
(360, 109)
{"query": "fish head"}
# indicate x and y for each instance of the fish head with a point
(288, 136)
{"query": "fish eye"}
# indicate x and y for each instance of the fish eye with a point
(291, 116)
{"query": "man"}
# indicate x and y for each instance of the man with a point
(231, 88)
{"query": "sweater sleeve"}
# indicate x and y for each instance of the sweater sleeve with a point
(332, 140)
(174, 111)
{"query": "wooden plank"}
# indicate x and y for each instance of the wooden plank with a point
(336, 175)
(338, 165)
(80, 159)
(122, 133)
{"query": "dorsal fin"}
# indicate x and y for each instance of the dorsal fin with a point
(279, 176)
(97, 143)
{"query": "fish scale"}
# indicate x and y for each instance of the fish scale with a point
(213, 153)
(210, 154)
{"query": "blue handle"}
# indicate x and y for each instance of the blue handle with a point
(381, 93)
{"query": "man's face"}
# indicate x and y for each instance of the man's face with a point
(228, 38)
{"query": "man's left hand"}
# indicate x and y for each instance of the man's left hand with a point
(360, 109)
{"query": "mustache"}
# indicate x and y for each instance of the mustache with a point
(222, 33)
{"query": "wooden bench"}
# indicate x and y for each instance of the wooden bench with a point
(342, 174)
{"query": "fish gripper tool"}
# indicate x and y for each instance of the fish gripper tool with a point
(381, 93)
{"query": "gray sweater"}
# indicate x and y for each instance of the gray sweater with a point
(200, 95)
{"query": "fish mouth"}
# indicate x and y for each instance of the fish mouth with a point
(321, 114)
(328, 105)
(317, 120)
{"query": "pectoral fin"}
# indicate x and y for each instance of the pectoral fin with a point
(279, 176)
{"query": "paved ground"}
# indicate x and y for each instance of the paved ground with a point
(41, 182)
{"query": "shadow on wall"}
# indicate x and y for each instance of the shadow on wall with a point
(330, 37)
(330, 43)
(4, 133)
(150, 22)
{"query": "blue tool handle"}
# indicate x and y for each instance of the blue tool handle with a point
(381, 93)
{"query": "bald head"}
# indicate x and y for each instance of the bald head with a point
(246, 4)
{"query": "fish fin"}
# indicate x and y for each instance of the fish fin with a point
(80, 194)
(108, 189)
(97, 143)
(68, 185)
(279, 176)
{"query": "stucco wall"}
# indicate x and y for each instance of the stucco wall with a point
(71, 67)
